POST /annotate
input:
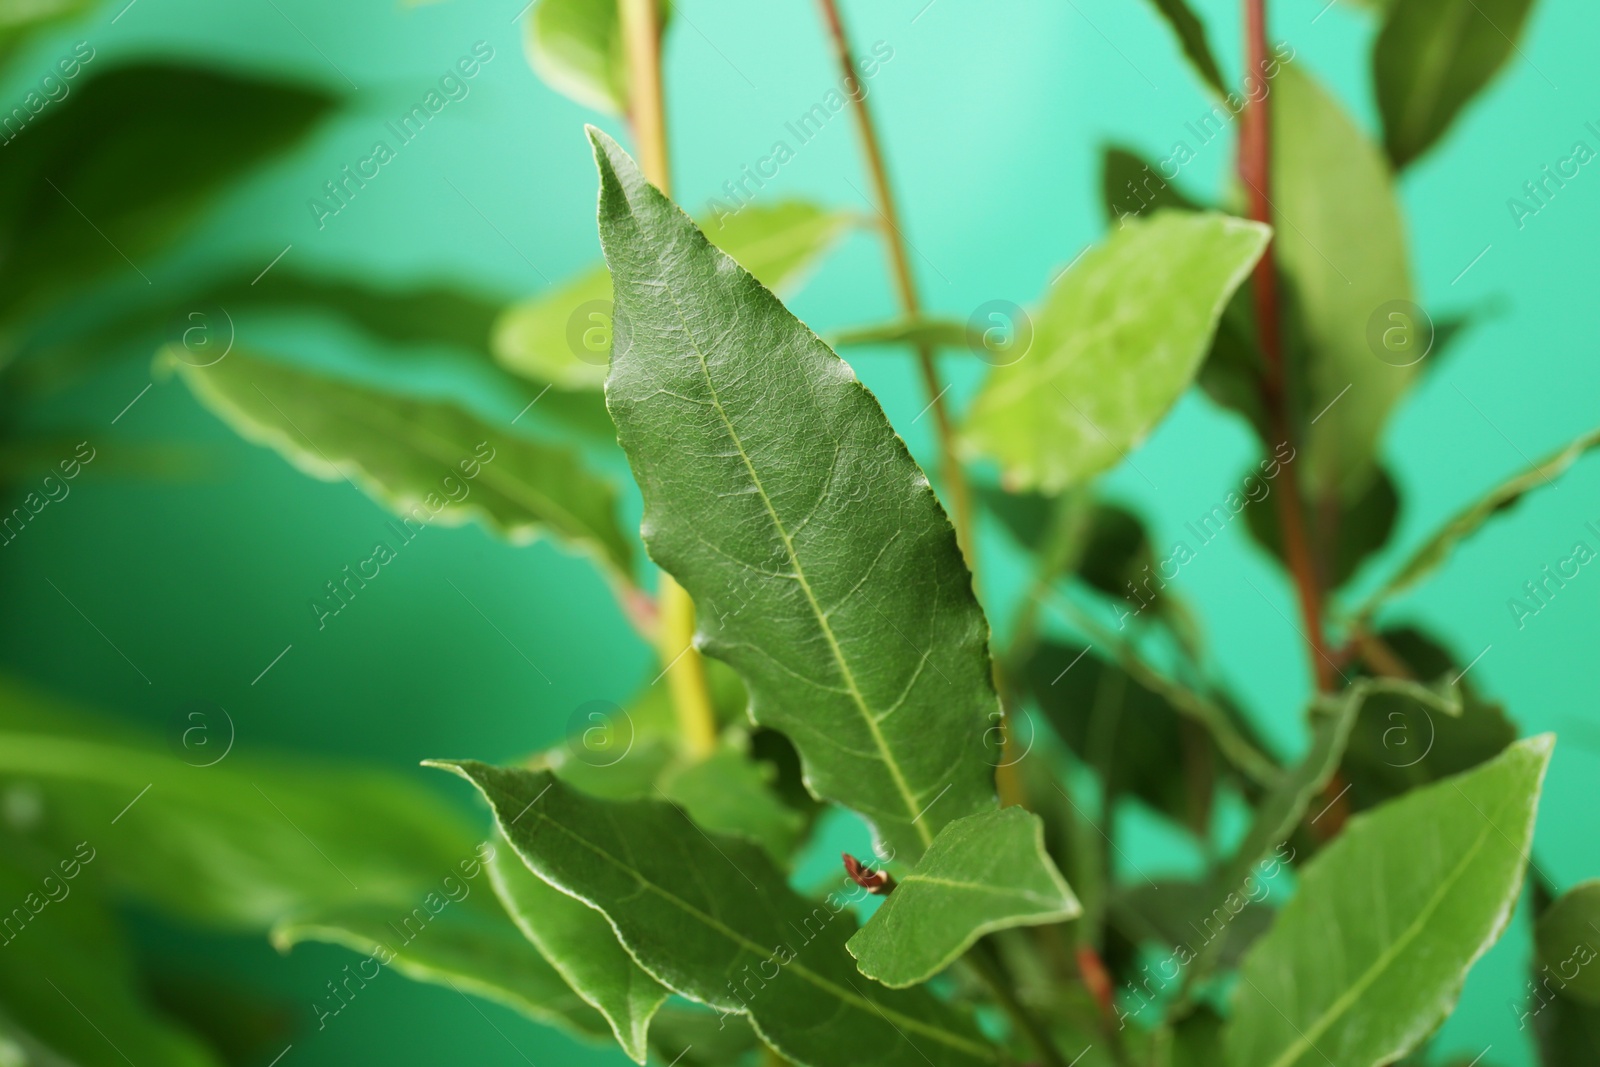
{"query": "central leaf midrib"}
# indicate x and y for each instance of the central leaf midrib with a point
(1413, 930)
(711, 921)
(889, 761)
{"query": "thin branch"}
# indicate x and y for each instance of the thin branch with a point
(1255, 171)
(955, 481)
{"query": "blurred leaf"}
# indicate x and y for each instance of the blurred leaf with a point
(1192, 37)
(714, 920)
(984, 873)
(1399, 744)
(91, 185)
(579, 944)
(1122, 728)
(1173, 913)
(1436, 549)
(21, 19)
(730, 794)
(244, 1025)
(564, 337)
(1431, 58)
(1369, 955)
(1364, 527)
(576, 46)
(855, 628)
(923, 332)
(413, 455)
(1567, 936)
(1346, 257)
(1197, 1041)
(1131, 186)
(1568, 1032)
(340, 854)
(64, 960)
(467, 944)
(1119, 339)
(692, 1036)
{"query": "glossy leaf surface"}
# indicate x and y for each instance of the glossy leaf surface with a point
(1117, 341)
(579, 943)
(565, 336)
(712, 918)
(1371, 952)
(778, 495)
(984, 873)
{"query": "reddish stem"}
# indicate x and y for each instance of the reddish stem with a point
(1255, 171)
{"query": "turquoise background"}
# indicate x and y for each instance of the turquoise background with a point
(993, 114)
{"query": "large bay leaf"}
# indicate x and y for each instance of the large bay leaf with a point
(1436, 549)
(1370, 954)
(1431, 58)
(1119, 338)
(984, 873)
(778, 495)
(429, 461)
(1346, 257)
(580, 944)
(564, 336)
(712, 918)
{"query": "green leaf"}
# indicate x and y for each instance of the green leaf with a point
(1568, 937)
(565, 336)
(1128, 732)
(1431, 58)
(984, 873)
(1371, 952)
(108, 149)
(1568, 1031)
(1118, 340)
(713, 919)
(579, 943)
(576, 46)
(252, 844)
(1365, 525)
(731, 794)
(1346, 258)
(1400, 744)
(1131, 186)
(469, 945)
(692, 1036)
(776, 492)
(63, 958)
(1192, 36)
(1436, 549)
(428, 461)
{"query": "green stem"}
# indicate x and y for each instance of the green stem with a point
(950, 471)
(686, 672)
